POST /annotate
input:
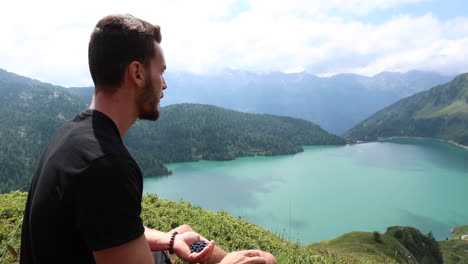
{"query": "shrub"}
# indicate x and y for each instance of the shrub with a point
(377, 237)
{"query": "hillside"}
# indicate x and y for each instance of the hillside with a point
(190, 132)
(229, 232)
(335, 103)
(31, 111)
(403, 245)
(441, 112)
(397, 245)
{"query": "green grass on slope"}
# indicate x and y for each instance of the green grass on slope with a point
(454, 251)
(229, 232)
(460, 231)
(457, 107)
(11, 217)
(405, 245)
(398, 245)
(363, 245)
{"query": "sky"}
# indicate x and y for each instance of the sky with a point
(48, 40)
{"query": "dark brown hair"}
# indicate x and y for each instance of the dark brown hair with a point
(116, 41)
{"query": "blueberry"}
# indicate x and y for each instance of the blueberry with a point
(198, 246)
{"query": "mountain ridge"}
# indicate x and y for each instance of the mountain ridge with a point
(318, 99)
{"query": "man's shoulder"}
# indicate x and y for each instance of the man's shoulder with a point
(87, 137)
(114, 165)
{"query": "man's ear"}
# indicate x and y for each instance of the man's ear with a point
(136, 72)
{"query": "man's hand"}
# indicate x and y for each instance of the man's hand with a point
(182, 245)
(244, 257)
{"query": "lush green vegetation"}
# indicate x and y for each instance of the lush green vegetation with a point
(190, 132)
(441, 112)
(31, 111)
(228, 232)
(363, 244)
(403, 245)
(460, 231)
(455, 251)
(397, 245)
(11, 217)
(423, 248)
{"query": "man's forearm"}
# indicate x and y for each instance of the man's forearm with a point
(157, 240)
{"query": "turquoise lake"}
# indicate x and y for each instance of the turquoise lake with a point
(327, 191)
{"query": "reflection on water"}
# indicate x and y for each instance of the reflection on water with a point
(327, 191)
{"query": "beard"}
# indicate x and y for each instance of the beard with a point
(148, 102)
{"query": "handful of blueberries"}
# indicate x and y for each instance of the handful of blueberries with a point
(198, 246)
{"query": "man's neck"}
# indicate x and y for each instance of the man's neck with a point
(117, 106)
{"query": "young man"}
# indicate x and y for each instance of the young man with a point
(84, 203)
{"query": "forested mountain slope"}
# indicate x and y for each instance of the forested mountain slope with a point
(441, 112)
(31, 111)
(187, 132)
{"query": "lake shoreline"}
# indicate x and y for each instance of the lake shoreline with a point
(438, 139)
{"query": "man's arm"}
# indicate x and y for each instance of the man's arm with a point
(158, 240)
(135, 252)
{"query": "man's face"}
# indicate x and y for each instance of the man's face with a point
(152, 92)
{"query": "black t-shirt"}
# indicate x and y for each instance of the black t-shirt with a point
(85, 195)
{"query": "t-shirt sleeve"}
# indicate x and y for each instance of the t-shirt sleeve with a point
(108, 202)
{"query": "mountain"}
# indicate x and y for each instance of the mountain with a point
(188, 132)
(441, 112)
(31, 111)
(335, 103)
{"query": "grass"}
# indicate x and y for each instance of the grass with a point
(232, 233)
(459, 231)
(454, 251)
(362, 245)
(235, 234)
(229, 232)
(11, 216)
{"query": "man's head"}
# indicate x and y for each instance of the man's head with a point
(152, 90)
(123, 43)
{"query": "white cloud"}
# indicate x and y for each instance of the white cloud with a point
(48, 39)
(405, 43)
(317, 7)
(366, 6)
